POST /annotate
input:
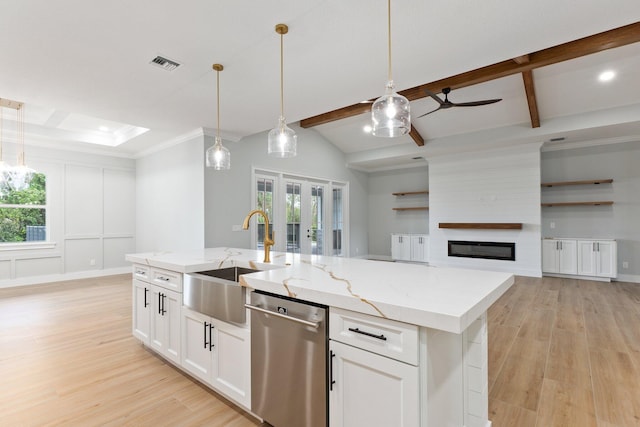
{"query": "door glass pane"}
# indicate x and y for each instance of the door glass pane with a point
(317, 209)
(338, 222)
(264, 202)
(293, 217)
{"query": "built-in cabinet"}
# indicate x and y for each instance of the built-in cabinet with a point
(410, 247)
(156, 310)
(374, 374)
(218, 353)
(580, 257)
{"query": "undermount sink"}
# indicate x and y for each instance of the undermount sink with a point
(217, 293)
(231, 273)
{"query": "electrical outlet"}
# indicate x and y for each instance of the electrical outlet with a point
(236, 227)
(92, 261)
(552, 224)
(625, 264)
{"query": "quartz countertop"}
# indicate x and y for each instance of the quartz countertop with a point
(448, 299)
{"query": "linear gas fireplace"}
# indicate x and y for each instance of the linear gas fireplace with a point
(486, 250)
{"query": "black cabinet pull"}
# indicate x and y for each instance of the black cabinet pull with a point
(159, 303)
(331, 380)
(146, 303)
(163, 311)
(211, 336)
(369, 334)
(206, 324)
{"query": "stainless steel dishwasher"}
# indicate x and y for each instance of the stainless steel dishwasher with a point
(289, 347)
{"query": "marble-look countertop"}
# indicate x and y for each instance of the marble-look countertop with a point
(449, 299)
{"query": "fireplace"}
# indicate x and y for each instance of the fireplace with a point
(487, 250)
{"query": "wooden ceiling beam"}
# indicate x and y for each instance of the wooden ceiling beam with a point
(417, 138)
(617, 37)
(529, 88)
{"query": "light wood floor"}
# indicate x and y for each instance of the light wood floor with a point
(561, 353)
(565, 352)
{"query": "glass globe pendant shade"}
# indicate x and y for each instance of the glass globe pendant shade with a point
(283, 141)
(390, 114)
(4, 178)
(218, 157)
(20, 177)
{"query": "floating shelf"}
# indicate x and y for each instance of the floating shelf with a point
(602, 203)
(414, 208)
(410, 193)
(587, 182)
(483, 225)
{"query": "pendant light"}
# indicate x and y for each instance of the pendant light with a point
(19, 176)
(282, 139)
(4, 168)
(218, 157)
(390, 113)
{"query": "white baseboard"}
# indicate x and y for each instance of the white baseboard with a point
(49, 278)
(633, 278)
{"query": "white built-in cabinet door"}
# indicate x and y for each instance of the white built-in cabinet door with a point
(371, 390)
(559, 256)
(420, 248)
(219, 354)
(141, 310)
(401, 247)
(597, 258)
(164, 336)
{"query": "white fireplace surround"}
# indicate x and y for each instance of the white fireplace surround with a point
(487, 186)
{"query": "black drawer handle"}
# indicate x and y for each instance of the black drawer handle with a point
(369, 334)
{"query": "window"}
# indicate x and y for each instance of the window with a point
(23, 213)
(264, 202)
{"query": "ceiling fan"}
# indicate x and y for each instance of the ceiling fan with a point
(448, 104)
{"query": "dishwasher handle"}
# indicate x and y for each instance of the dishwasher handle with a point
(283, 316)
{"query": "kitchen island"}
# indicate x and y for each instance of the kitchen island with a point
(434, 354)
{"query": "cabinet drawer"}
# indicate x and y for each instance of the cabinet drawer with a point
(386, 337)
(165, 278)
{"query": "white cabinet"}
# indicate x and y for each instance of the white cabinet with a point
(367, 386)
(219, 354)
(580, 257)
(410, 247)
(156, 318)
(597, 258)
(559, 256)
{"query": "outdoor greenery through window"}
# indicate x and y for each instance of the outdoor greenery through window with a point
(23, 213)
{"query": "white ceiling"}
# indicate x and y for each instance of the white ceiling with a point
(78, 63)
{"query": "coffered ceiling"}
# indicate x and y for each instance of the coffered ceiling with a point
(75, 64)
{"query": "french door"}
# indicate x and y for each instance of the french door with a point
(306, 215)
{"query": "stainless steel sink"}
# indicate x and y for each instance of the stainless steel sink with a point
(217, 293)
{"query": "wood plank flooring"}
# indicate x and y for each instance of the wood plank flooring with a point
(561, 353)
(565, 352)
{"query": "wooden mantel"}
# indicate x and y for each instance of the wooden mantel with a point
(483, 225)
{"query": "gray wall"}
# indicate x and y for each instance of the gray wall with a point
(170, 198)
(90, 218)
(228, 193)
(620, 221)
(383, 220)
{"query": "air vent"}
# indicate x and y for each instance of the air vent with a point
(164, 63)
(417, 158)
(562, 138)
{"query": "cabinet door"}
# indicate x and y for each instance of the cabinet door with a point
(197, 346)
(401, 247)
(232, 362)
(419, 248)
(172, 303)
(568, 261)
(606, 259)
(550, 255)
(158, 332)
(587, 257)
(141, 311)
(371, 390)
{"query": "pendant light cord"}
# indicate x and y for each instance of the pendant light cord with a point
(281, 75)
(1, 123)
(389, 33)
(218, 102)
(21, 134)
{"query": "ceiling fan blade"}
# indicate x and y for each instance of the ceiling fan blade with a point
(434, 96)
(432, 111)
(475, 103)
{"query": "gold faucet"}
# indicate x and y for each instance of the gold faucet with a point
(268, 242)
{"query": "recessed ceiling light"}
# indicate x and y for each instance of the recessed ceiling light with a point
(367, 128)
(606, 76)
(103, 129)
